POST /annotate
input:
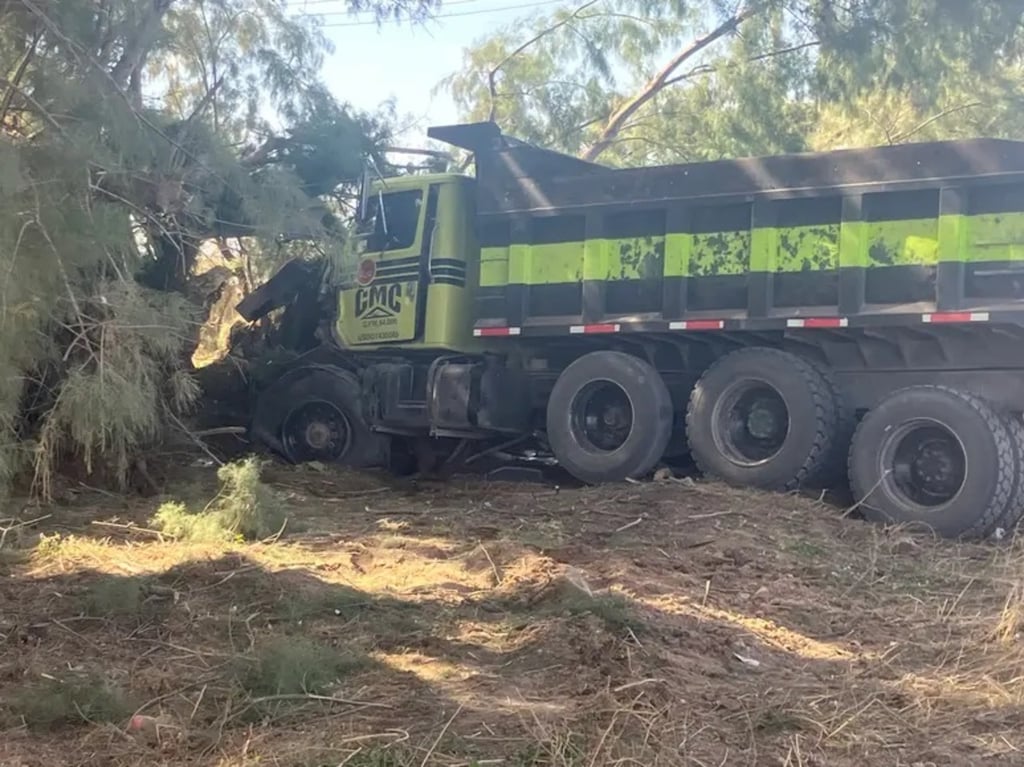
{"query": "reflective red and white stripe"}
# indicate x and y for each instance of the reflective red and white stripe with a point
(941, 317)
(697, 325)
(807, 323)
(607, 327)
(496, 332)
(818, 322)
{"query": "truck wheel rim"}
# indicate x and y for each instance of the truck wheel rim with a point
(750, 423)
(924, 464)
(316, 431)
(601, 416)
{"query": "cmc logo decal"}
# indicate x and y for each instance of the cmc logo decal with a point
(379, 302)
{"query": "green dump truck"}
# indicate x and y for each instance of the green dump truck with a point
(788, 321)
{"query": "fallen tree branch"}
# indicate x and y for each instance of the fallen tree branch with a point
(221, 431)
(16, 78)
(199, 443)
(309, 698)
(129, 528)
(18, 525)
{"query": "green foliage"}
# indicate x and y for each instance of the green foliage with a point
(735, 104)
(379, 616)
(114, 597)
(417, 10)
(968, 105)
(107, 197)
(174, 519)
(248, 506)
(103, 352)
(79, 699)
(612, 610)
(582, 60)
(114, 400)
(296, 666)
(910, 43)
(244, 508)
(636, 83)
(50, 545)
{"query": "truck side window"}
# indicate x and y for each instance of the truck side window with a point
(401, 218)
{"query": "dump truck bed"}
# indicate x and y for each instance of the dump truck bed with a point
(925, 232)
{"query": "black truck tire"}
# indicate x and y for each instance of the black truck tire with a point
(609, 417)
(763, 418)
(833, 471)
(935, 457)
(315, 414)
(1015, 507)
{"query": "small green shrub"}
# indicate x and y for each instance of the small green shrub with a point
(53, 703)
(380, 616)
(294, 666)
(245, 507)
(174, 519)
(614, 611)
(568, 600)
(115, 597)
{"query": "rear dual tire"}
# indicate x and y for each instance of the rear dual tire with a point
(758, 417)
(1011, 517)
(766, 418)
(941, 459)
(927, 456)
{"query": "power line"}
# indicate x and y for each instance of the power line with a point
(301, 11)
(457, 14)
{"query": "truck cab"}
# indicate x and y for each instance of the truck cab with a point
(408, 278)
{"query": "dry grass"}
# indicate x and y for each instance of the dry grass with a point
(475, 624)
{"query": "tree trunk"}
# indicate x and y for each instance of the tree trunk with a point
(655, 85)
(140, 41)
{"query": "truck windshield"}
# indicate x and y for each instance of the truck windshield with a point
(396, 228)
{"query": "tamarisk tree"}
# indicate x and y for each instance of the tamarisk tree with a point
(131, 131)
(638, 81)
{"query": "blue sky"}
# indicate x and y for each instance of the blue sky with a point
(404, 62)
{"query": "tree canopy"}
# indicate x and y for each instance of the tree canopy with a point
(131, 131)
(632, 81)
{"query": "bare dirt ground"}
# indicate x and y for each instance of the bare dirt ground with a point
(469, 623)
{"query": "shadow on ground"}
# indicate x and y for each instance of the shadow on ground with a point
(440, 624)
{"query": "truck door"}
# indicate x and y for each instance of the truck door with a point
(384, 302)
